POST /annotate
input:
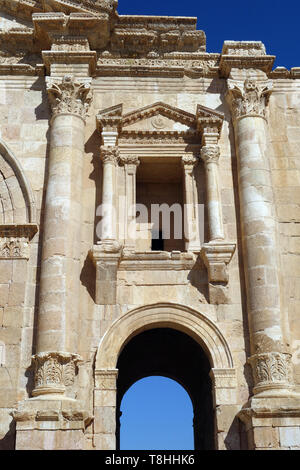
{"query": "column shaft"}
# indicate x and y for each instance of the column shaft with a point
(210, 156)
(191, 217)
(270, 362)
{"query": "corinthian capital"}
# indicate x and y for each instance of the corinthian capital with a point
(249, 100)
(54, 371)
(130, 160)
(210, 153)
(69, 96)
(109, 154)
(271, 370)
(189, 162)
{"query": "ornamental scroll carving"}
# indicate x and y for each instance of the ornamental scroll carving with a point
(210, 153)
(109, 154)
(251, 100)
(271, 369)
(54, 371)
(69, 96)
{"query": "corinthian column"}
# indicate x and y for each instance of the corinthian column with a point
(217, 253)
(270, 361)
(130, 162)
(60, 269)
(210, 153)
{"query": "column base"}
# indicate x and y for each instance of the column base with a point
(272, 422)
(55, 423)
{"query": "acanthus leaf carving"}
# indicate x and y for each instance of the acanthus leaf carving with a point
(69, 96)
(54, 371)
(109, 154)
(210, 153)
(271, 369)
(250, 100)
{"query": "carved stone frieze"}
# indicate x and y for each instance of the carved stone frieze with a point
(69, 96)
(271, 370)
(109, 154)
(14, 240)
(249, 100)
(14, 248)
(54, 371)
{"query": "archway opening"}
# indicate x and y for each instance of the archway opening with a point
(156, 414)
(170, 353)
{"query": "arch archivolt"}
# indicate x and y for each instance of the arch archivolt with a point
(160, 315)
(164, 315)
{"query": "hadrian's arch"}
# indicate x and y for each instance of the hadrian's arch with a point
(152, 318)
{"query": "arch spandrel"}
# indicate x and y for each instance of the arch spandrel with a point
(164, 315)
(17, 201)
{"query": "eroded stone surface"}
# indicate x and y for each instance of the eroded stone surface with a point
(134, 108)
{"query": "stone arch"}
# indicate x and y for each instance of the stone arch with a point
(161, 315)
(17, 205)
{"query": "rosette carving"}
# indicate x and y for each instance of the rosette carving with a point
(69, 96)
(109, 154)
(251, 100)
(210, 153)
(271, 370)
(54, 371)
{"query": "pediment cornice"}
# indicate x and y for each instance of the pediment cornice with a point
(165, 121)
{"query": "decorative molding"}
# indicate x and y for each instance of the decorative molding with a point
(156, 261)
(54, 371)
(271, 370)
(69, 96)
(106, 379)
(244, 55)
(251, 99)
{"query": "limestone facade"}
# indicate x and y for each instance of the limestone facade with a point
(101, 110)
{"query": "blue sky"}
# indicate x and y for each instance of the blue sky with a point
(157, 415)
(275, 23)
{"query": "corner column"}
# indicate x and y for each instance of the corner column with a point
(270, 359)
(42, 421)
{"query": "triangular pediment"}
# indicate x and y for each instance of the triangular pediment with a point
(159, 117)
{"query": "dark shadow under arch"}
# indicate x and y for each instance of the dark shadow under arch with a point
(173, 354)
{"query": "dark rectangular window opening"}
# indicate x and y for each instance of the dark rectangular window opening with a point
(157, 242)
